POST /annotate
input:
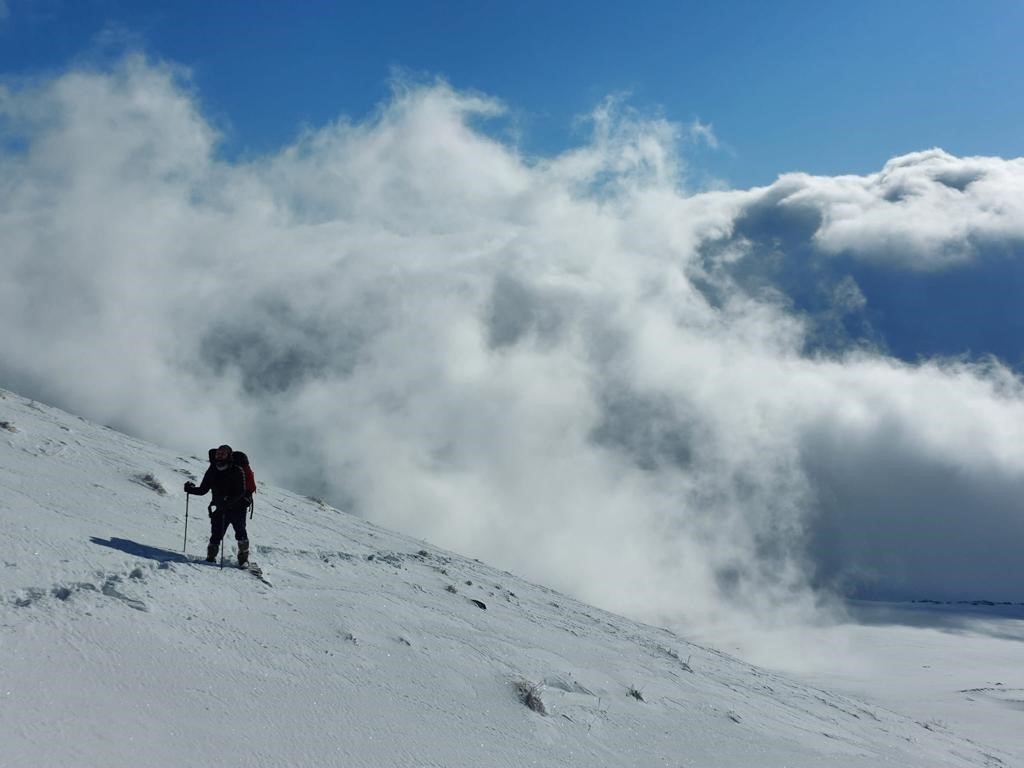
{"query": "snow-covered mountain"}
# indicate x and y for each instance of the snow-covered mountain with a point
(362, 647)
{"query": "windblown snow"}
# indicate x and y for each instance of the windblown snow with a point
(362, 647)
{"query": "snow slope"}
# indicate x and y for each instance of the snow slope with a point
(366, 648)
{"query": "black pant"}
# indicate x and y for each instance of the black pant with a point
(220, 521)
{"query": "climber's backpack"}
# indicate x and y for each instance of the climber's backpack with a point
(241, 460)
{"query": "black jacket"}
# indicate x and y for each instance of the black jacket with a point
(228, 486)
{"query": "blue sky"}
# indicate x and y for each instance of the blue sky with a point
(821, 87)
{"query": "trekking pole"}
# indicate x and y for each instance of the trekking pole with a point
(184, 544)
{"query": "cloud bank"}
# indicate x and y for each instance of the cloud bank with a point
(680, 405)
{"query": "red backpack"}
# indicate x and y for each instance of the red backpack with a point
(242, 461)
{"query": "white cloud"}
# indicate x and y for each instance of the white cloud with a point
(521, 360)
(925, 210)
(703, 132)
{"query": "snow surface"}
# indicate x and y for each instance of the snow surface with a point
(367, 648)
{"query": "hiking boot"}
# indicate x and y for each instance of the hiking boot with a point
(243, 553)
(211, 554)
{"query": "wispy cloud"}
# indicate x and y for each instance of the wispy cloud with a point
(564, 365)
(704, 133)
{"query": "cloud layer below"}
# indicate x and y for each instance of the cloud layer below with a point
(685, 406)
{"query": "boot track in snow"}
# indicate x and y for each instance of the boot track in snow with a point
(250, 567)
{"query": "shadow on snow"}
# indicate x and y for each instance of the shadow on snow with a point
(141, 550)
